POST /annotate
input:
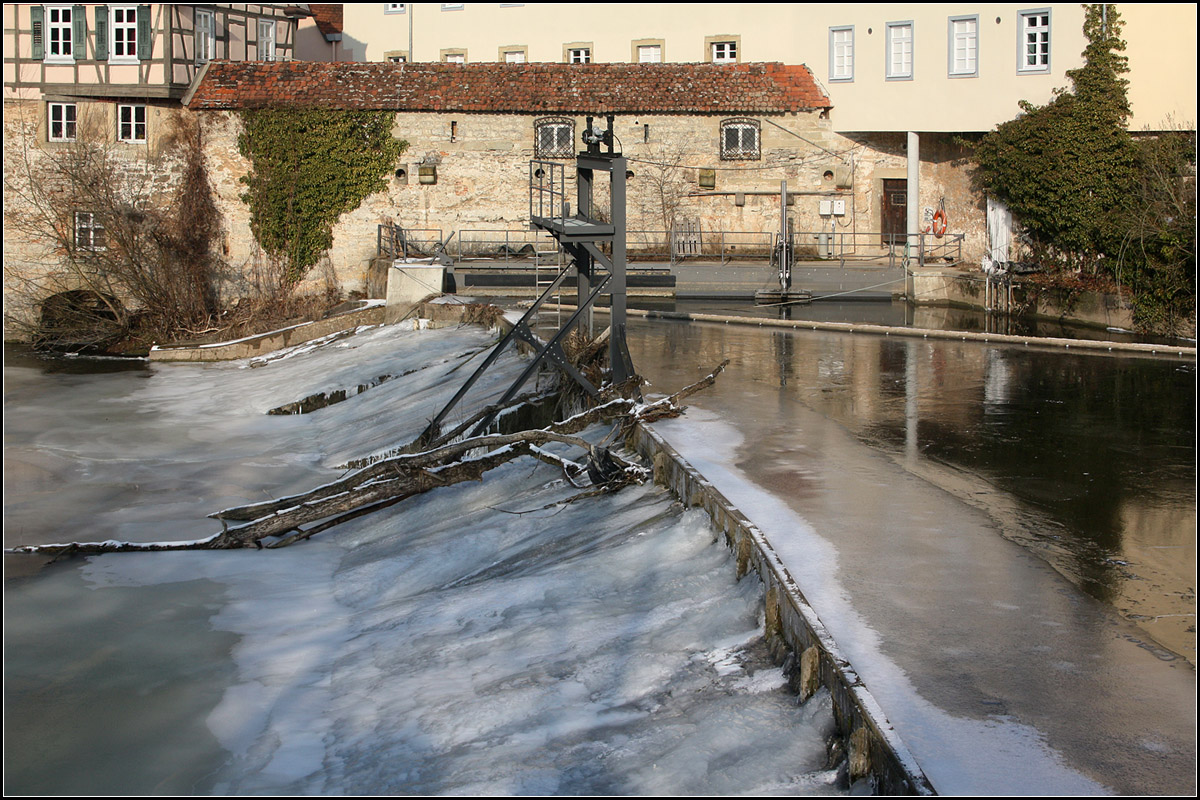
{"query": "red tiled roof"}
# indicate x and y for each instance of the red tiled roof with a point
(512, 88)
(327, 16)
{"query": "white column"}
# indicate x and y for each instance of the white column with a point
(913, 206)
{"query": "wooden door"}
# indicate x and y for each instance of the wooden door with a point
(894, 210)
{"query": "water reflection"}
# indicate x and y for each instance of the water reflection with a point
(1088, 460)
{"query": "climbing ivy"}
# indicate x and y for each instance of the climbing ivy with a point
(310, 166)
(1067, 169)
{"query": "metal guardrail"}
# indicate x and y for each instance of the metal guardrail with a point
(393, 241)
(548, 199)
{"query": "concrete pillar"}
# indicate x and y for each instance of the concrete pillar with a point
(914, 208)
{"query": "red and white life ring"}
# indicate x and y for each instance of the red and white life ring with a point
(939, 223)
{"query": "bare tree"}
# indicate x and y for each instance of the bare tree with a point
(115, 237)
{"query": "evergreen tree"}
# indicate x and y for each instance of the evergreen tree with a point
(1067, 169)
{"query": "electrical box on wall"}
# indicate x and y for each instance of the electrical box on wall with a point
(826, 208)
(839, 208)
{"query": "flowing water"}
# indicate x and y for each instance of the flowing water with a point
(484, 638)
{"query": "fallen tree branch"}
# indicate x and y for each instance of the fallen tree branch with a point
(388, 482)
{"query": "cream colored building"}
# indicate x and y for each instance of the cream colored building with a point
(887, 67)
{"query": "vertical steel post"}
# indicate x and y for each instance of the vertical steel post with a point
(616, 343)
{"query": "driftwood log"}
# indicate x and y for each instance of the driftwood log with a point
(386, 482)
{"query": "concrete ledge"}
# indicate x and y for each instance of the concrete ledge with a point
(1083, 345)
(273, 340)
(875, 750)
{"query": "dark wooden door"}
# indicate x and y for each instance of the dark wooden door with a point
(895, 210)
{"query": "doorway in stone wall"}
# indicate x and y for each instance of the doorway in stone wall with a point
(894, 211)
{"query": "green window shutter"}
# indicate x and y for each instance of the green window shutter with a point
(145, 44)
(79, 32)
(101, 33)
(37, 25)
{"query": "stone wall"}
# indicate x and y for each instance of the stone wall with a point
(482, 164)
(40, 201)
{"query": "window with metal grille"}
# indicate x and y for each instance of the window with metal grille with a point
(89, 233)
(1035, 41)
(554, 137)
(740, 140)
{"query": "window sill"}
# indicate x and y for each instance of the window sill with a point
(124, 60)
(59, 61)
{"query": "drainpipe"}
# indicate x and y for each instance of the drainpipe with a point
(913, 207)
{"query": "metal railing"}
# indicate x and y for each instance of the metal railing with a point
(393, 241)
(523, 247)
(548, 190)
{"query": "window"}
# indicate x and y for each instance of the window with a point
(964, 46)
(59, 25)
(739, 140)
(723, 52)
(554, 137)
(648, 51)
(1034, 45)
(206, 36)
(124, 36)
(841, 54)
(61, 122)
(454, 56)
(579, 55)
(396, 56)
(395, 8)
(131, 123)
(514, 54)
(89, 234)
(899, 50)
(266, 40)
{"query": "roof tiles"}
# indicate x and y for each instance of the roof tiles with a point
(512, 88)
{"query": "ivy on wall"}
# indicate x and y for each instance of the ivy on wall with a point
(310, 166)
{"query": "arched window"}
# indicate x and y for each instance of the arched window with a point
(739, 140)
(554, 137)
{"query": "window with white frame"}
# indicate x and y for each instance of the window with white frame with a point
(89, 234)
(131, 123)
(1034, 54)
(60, 122)
(964, 46)
(579, 55)
(554, 137)
(841, 53)
(899, 50)
(740, 140)
(59, 22)
(123, 33)
(649, 54)
(205, 36)
(514, 56)
(454, 56)
(724, 52)
(266, 40)
(396, 56)
(395, 8)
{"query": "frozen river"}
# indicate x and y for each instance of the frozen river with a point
(470, 641)
(1000, 538)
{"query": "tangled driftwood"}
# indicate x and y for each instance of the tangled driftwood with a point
(384, 483)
